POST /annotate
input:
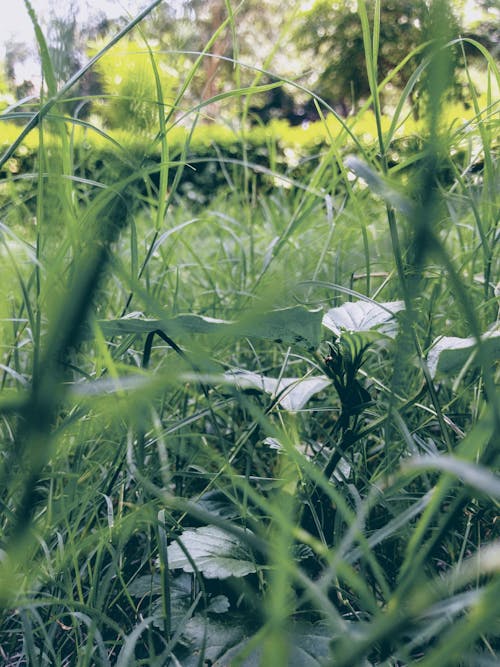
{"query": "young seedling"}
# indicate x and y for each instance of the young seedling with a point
(342, 365)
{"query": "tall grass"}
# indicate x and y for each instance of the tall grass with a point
(154, 510)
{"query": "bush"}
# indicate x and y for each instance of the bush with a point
(217, 155)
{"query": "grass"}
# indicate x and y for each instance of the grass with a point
(160, 507)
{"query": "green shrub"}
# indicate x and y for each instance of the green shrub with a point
(129, 85)
(215, 151)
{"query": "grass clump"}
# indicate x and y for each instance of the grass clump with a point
(262, 430)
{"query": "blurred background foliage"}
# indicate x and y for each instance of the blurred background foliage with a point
(317, 45)
(308, 57)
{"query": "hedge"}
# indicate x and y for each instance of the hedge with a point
(213, 156)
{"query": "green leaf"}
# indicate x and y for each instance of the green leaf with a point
(180, 589)
(213, 635)
(135, 323)
(150, 584)
(472, 474)
(110, 385)
(217, 503)
(353, 343)
(215, 553)
(449, 354)
(309, 647)
(363, 316)
(295, 325)
(380, 186)
(47, 66)
(293, 393)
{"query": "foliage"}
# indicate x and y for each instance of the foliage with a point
(63, 39)
(129, 81)
(293, 151)
(258, 425)
(290, 38)
(6, 98)
(331, 31)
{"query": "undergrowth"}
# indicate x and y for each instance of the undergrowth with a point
(262, 430)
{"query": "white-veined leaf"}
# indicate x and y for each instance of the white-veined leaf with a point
(214, 635)
(293, 393)
(150, 584)
(359, 316)
(218, 605)
(215, 553)
(448, 354)
(217, 503)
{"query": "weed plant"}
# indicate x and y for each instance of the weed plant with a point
(169, 495)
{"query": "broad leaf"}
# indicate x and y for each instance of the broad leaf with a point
(175, 326)
(212, 635)
(363, 316)
(111, 385)
(180, 587)
(449, 354)
(145, 585)
(215, 553)
(180, 597)
(309, 646)
(293, 393)
(217, 503)
(296, 325)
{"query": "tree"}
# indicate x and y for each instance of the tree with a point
(331, 32)
(65, 44)
(188, 28)
(16, 53)
(485, 28)
(6, 96)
